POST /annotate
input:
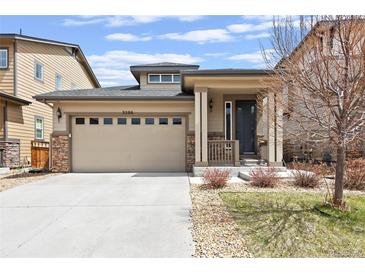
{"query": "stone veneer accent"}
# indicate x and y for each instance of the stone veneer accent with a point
(11, 153)
(60, 154)
(190, 147)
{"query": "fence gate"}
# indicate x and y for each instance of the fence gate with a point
(40, 154)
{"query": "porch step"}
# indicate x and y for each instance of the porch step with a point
(253, 162)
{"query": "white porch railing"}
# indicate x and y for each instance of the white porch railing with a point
(223, 152)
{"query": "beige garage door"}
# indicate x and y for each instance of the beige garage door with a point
(122, 144)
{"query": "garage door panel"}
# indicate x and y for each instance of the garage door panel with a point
(121, 148)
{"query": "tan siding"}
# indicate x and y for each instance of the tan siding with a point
(55, 59)
(145, 85)
(6, 75)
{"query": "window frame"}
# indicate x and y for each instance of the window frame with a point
(83, 119)
(136, 119)
(173, 76)
(36, 62)
(149, 124)
(58, 76)
(159, 121)
(230, 120)
(124, 119)
(36, 128)
(106, 124)
(177, 124)
(7, 58)
(97, 119)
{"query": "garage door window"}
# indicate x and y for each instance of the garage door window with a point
(176, 121)
(94, 121)
(122, 121)
(136, 121)
(149, 121)
(108, 121)
(80, 121)
(163, 121)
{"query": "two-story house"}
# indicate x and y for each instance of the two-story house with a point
(30, 66)
(177, 117)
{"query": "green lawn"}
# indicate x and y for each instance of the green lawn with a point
(298, 224)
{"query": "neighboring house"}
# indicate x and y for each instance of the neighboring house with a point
(30, 66)
(176, 117)
(297, 143)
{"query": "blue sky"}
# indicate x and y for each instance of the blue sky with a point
(113, 43)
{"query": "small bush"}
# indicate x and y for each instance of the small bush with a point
(264, 177)
(306, 179)
(215, 178)
(355, 174)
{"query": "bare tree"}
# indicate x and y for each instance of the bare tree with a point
(319, 62)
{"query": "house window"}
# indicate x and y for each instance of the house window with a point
(80, 121)
(228, 120)
(176, 78)
(58, 82)
(4, 61)
(122, 121)
(136, 121)
(94, 121)
(154, 78)
(163, 78)
(108, 121)
(176, 121)
(39, 128)
(149, 121)
(163, 121)
(38, 71)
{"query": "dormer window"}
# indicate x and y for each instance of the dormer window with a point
(163, 78)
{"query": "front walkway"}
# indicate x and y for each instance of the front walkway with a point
(98, 215)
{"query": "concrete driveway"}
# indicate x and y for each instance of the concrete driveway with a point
(98, 215)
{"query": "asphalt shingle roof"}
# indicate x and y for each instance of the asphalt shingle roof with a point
(115, 93)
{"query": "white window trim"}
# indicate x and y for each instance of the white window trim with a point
(60, 77)
(225, 120)
(7, 58)
(160, 76)
(35, 70)
(36, 128)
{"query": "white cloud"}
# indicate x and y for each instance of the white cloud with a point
(258, 17)
(255, 57)
(200, 36)
(190, 18)
(215, 54)
(239, 28)
(127, 37)
(257, 36)
(112, 67)
(117, 21)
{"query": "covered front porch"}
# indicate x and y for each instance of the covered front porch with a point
(237, 122)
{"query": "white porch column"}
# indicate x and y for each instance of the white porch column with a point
(201, 126)
(197, 127)
(274, 129)
(204, 122)
(279, 128)
(270, 128)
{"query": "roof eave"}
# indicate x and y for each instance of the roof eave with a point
(111, 98)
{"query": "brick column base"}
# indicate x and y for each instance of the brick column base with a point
(60, 154)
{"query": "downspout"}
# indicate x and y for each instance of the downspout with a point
(275, 129)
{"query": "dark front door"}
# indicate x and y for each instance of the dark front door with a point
(246, 126)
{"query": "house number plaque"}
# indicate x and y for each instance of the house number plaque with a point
(127, 111)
